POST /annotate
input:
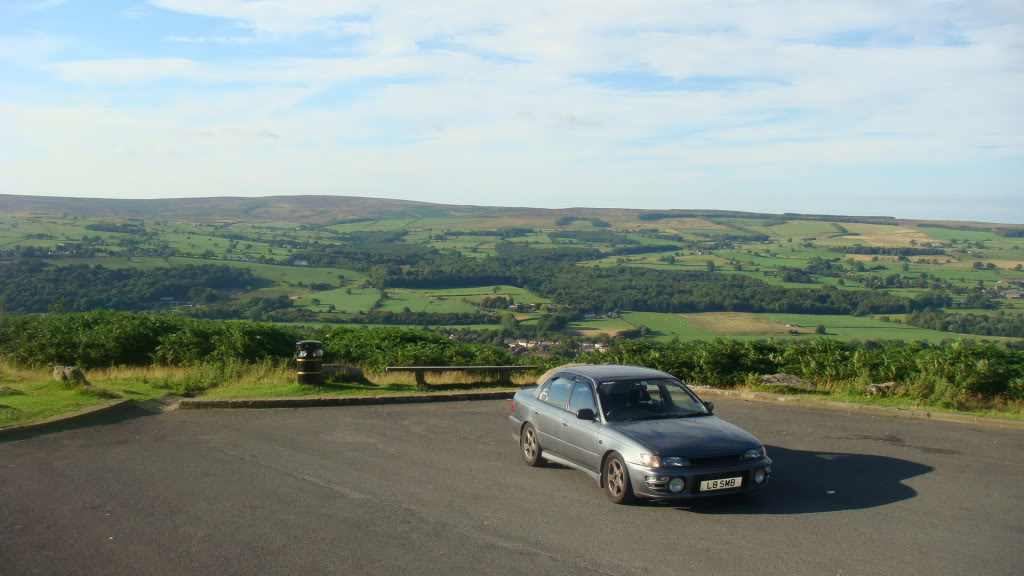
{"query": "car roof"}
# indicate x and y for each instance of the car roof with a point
(611, 372)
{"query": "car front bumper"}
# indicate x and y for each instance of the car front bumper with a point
(654, 482)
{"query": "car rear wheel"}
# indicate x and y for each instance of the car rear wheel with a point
(616, 480)
(529, 445)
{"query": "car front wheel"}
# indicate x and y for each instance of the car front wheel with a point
(529, 445)
(616, 481)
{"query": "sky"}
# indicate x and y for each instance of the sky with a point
(904, 108)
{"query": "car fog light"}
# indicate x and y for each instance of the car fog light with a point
(760, 476)
(676, 485)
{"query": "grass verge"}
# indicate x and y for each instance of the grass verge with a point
(29, 395)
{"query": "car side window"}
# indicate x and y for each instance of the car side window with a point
(582, 397)
(557, 391)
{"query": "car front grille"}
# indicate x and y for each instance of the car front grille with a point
(716, 460)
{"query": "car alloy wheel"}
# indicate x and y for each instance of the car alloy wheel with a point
(530, 445)
(616, 481)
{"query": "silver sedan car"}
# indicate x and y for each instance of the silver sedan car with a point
(637, 432)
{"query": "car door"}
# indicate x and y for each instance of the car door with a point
(582, 437)
(550, 413)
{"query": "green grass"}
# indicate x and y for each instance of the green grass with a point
(608, 326)
(665, 327)
(863, 328)
(42, 400)
(417, 301)
(39, 397)
(360, 299)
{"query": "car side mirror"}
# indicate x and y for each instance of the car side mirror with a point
(586, 414)
(710, 406)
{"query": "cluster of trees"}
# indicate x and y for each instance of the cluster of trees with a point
(507, 232)
(410, 318)
(280, 309)
(363, 256)
(788, 274)
(595, 222)
(31, 286)
(997, 324)
(497, 302)
(593, 237)
(1010, 232)
(118, 227)
(644, 249)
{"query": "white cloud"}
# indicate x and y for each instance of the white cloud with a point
(124, 70)
(30, 50)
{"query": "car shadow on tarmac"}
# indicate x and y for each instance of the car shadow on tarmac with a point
(807, 482)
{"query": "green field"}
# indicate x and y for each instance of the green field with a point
(669, 326)
(610, 326)
(359, 300)
(416, 301)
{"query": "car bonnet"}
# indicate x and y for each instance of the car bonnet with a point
(689, 437)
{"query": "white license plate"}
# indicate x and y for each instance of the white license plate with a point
(721, 484)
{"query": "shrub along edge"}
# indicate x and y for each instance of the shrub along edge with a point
(911, 413)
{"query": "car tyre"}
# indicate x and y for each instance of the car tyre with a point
(529, 445)
(616, 480)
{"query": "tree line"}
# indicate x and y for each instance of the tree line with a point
(33, 286)
(951, 374)
(997, 324)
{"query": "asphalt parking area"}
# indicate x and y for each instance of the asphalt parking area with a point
(439, 489)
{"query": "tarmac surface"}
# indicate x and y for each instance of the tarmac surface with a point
(431, 489)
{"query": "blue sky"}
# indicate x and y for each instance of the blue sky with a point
(903, 108)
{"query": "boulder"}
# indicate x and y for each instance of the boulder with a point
(883, 389)
(787, 381)
(343, 372)
(72, 374)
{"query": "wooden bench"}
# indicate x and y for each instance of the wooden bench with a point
(504, 372)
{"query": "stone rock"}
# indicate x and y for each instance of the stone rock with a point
(8, 391)
(342, 371)
(883, 389)
(70, 374)
(787, 381)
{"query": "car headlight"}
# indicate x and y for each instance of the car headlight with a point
(650, 461)
(755, 454)
(653, 461)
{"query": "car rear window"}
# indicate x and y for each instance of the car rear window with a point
(557, 392)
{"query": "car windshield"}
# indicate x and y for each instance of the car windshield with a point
(649, 399)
